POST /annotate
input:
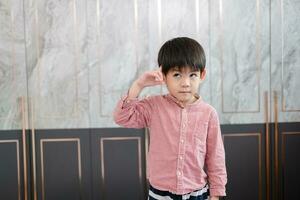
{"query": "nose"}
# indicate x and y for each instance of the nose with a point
(185, 82)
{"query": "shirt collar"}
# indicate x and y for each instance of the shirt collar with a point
(173, 99)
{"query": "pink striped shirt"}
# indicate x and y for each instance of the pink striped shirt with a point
(183, 141)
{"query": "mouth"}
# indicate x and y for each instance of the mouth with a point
(184, 92)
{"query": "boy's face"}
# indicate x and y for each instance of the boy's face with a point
(184, 84)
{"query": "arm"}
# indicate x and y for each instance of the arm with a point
(215, 158)
(131, 112)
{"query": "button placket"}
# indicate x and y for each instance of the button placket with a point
(181, 150)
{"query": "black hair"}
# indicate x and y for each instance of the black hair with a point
(181, 52)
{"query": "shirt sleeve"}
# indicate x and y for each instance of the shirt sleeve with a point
(215, 158)
(133, 113)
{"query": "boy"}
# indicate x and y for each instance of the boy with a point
(186, 158)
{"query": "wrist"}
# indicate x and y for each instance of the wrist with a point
(134, 90)
(138, 84)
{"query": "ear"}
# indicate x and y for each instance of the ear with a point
(203, 74)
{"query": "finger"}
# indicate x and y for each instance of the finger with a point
(160, 74)
(158, 83)
(160, 71)
(158, 78)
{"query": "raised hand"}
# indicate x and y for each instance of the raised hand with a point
(150, 78)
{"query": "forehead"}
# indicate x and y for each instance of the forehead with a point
(186, 69)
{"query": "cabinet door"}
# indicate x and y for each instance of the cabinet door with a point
(285, 84)
(12, 185)
(286, 164)
(245, 148)
(62, 161)
(240, 61)
(56, 65)
(285, 58)
(118, 164)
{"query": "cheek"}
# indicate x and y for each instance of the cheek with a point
(172, 82)
(196, 85)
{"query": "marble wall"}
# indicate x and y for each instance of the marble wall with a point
(65, 64)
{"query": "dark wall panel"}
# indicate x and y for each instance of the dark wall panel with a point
(291, 165)
(288, 162)
(245, 161)
(10, 169)
(11, 165)
(119, 164)
(63, 164)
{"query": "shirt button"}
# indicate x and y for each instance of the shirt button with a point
(180, 157)
(182, 141)
(178, 173)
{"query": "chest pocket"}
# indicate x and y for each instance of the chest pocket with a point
(199, 137)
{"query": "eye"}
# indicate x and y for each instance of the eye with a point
(176, 75)
(193, 75)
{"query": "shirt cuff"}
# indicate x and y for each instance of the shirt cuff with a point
(217, 192)
(128, 101)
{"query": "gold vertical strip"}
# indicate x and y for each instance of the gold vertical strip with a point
(276, 143)
(79, 167)
(267, 145)
(18, 167)
(33, 153)
(24, 147)
(42, 168)
(259, 167)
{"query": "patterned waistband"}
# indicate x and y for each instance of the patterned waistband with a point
(201, 194)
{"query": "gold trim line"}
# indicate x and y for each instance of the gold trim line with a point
(276, 143)
(267, 146)
(24, 147)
